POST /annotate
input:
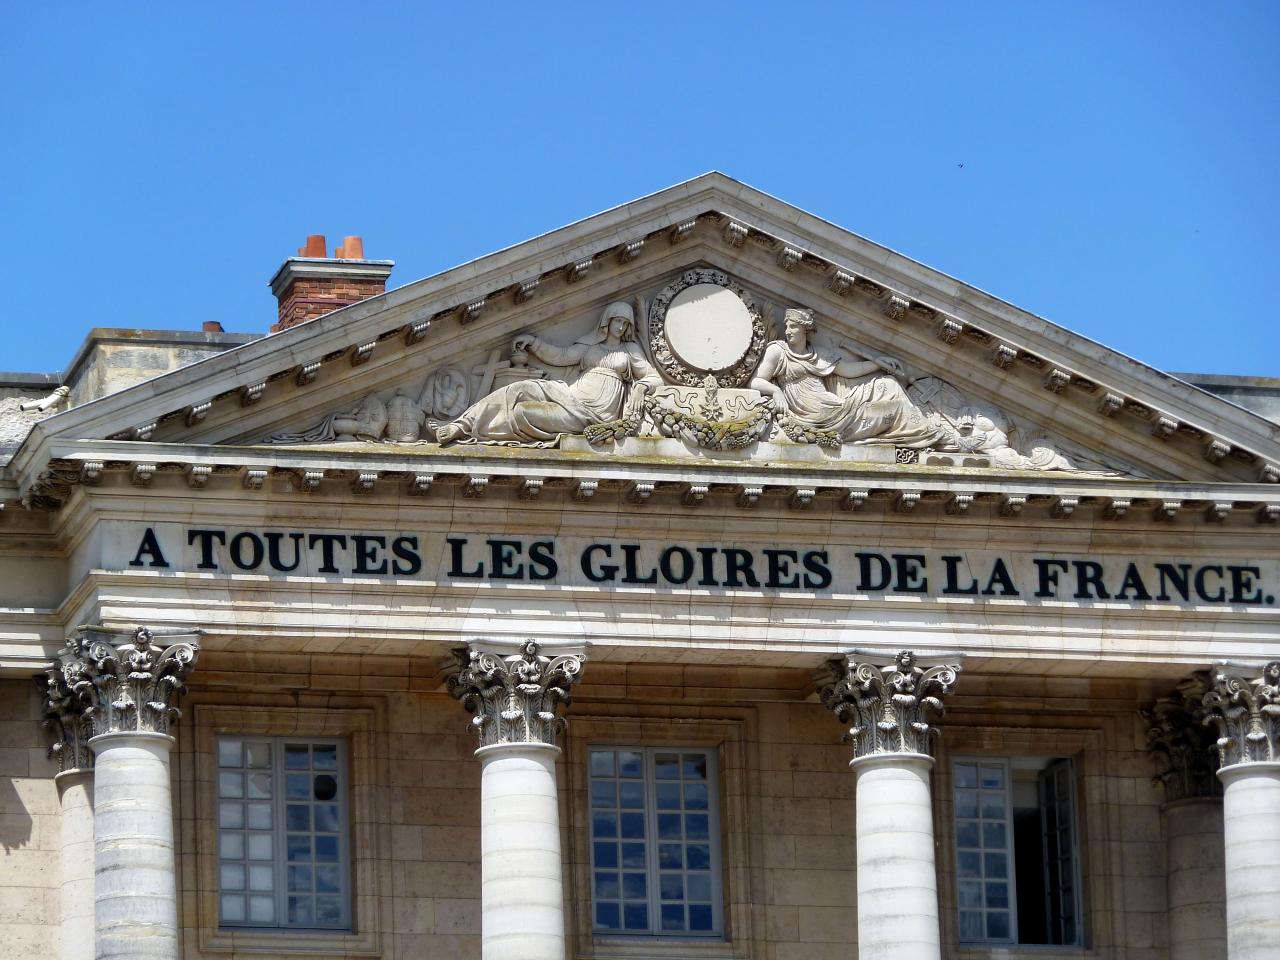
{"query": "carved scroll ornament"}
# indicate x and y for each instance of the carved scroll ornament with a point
(515, 697)
(1246, 715)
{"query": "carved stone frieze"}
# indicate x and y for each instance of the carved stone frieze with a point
(1245, 712)
(515, 697)
(1179, 743)
(127, 682)
(889, 709)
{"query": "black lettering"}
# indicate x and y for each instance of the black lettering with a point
(542, 560)
(952, 586)
(407, 560)
(1048, 576)
(817, 573)
(327, 542)
(910, 566)
(708, 578)
(237, 554)
(1000, 573)
(502, 556)
(606, 571)
(1089, 578)
(1202, 591)
(780, 562)
(1133, 582)
(366, 550)
(273, 551)
(865, 579)
(1242, 578)
(456, 547)
(631, 574)
(206, 538)
(149, 546)
(738, 562)
(668, 568)
(1180, 577)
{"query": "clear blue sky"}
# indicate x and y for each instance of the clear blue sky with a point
(1112, 166)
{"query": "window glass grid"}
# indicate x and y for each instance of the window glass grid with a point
(984, 850)
(282, 833)
(654, 842)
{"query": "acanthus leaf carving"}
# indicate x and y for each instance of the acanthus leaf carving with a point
(1180, 744)
(1245, 712)
(889, 709)
(515, 697)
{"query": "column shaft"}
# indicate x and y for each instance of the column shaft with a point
(1193, 837)
(1251, 825)
(135, 903)
(75, 793)
(522, 913)
(897, 879)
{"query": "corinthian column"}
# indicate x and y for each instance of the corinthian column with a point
(515, 696)
(889, 709)
(1184, 752)
(64, 714)
(1246, 715)
(128, 684)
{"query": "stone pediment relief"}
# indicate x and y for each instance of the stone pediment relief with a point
(702, 366)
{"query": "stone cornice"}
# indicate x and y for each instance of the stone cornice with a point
(889, 708)
(1026, 347)
(515, 696)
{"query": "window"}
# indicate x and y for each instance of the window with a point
(1016, 863)
(282, 833)
(655, 851)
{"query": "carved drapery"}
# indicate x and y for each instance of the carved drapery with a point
(64, 712)
(1246, 715)
(889, 708)
(125, 680)
(515, 697)
(1181, 746)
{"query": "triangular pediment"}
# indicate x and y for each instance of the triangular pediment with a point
(709, 270)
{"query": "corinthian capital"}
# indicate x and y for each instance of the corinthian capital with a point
(888, 708)
(514, 696)
(1179, 743)
(64, 713)
(1246, 715)
(126, 681)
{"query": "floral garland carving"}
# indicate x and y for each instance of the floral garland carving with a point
(735, 376)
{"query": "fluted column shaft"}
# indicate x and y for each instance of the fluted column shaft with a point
(889, 709)
(515, 696)
(1246, 713)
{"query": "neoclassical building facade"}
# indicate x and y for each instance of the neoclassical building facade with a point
(700, 580)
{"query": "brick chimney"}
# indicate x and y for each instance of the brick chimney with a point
(311, 284)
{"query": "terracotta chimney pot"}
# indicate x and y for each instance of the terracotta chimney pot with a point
(315, 247)
(352, 249)
(311, 284)
(212, 326)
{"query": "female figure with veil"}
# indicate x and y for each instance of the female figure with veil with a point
(613, 379)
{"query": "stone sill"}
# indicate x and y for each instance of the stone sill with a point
(655, 948)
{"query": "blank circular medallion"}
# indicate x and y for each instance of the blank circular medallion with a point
(708, 327)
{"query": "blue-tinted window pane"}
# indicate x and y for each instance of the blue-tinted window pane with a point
(297, 786)
(996, 865)
(998, 925)
(966, 803)
(297, 817)
(696, 826)
(606, 885)
(604, 793)
(633, 825)
(631, 794)
(700, 916)
(630, 765)
(695, 766)
(970, 925)
(992, 778)
(966, 775)
(670, 856)
(634, 886)
(698, 856)
(970, 893)
(698, 886)
(299, 879)
(326, 817)
(673, 916)
(602, 763)
(607, 916)
(326, 848)
(967, 833)
(606, 854)
(993, 806)
(968, 864)
(301, 911)
(666, 766)
(637, 916)
(633, 855)
(993, 834)
(998, 895)
(299, 847)
(668, 796)
(328, 911)
(604, 824)
(671, 887)
(297, 756)
(669, 826)
(695, 796)
(325, 757)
